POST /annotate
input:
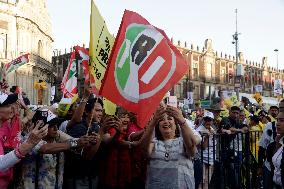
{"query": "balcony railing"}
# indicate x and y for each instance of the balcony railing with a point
(42, 63)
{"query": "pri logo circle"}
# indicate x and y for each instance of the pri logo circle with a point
(144, 63)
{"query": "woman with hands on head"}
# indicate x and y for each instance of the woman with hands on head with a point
(170, 151)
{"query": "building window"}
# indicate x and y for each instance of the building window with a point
(209, 70)
(39, 48)
(195, 71)
(207, 92)
(195, 57)
(231, 77)
(223, 75)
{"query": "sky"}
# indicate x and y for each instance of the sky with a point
(260, 23)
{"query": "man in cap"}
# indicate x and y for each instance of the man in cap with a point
(208, 147)
(6, 102)
(216, 110)
(231, 145)
(7, 161)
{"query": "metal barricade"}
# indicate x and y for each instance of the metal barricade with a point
(229, 161)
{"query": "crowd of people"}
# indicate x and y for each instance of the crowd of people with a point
(87, 148)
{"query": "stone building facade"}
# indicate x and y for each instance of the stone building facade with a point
(25, 27)
(210, 70)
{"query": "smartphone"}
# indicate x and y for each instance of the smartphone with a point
(40, 115)
(93, 129)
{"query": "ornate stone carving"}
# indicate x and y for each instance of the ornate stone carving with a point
(28, 22)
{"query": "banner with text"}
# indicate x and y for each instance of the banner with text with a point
(101, 43)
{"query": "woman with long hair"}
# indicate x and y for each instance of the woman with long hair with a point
(170, 151)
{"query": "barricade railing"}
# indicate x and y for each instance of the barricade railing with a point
(228, 161)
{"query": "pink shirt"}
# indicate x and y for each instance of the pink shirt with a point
(6, 176)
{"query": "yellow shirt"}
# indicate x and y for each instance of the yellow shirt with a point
(256, 132)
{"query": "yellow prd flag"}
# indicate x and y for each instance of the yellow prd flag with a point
(101, 43)
(258, 98)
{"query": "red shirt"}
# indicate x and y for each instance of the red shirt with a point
(138, 162)
(115, 170)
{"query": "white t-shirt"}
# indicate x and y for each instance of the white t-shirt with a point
(208, 152)
(265, 140)
(276, 160)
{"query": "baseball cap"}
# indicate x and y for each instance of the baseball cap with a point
(208, 115)
(6, 99)
(274, 107)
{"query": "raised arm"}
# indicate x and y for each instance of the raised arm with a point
(134, 136)
(72, 143)
(145, 141)
(53, 148)
(186, 132)
(9, 160)
(78, 114)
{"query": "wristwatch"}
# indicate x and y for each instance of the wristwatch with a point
(73, 143)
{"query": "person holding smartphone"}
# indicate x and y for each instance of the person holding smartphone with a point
(117, 152)
(7, 161)
(81, 169)
(44, 166)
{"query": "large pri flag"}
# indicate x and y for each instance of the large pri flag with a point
(143, 67)
(101, 43)
(69, 83)
(84, 60)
